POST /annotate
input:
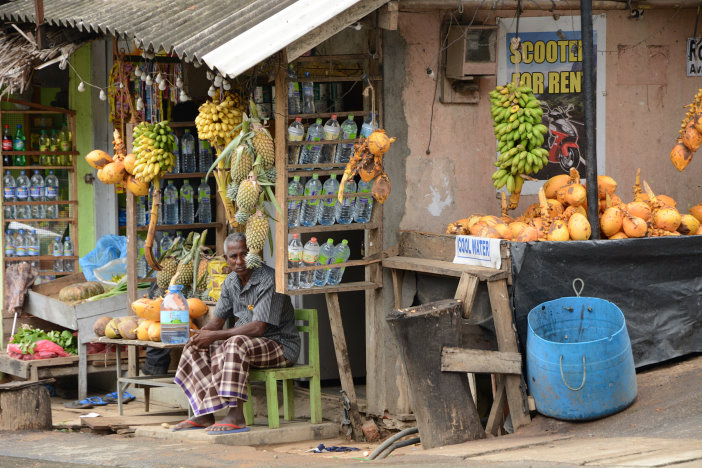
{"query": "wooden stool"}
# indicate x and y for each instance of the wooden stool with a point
(25, 406)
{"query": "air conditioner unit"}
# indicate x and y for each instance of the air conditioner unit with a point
(472, 52)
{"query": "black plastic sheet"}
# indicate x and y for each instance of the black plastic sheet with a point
(656, 282)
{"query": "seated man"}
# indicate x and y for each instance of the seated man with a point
(215, 362)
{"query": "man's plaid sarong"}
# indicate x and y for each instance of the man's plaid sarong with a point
(215, 378)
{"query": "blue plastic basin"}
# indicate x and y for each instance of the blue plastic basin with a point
(579, 360)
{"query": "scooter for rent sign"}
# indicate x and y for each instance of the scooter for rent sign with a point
(549, 59)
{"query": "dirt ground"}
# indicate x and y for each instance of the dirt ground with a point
(662, 428)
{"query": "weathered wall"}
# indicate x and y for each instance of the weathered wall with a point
(646, 89)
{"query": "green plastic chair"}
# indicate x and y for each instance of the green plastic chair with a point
(271, 376)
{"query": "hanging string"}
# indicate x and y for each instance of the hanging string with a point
(697, 20)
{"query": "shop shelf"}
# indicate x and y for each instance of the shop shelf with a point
(329, 114)
(39, 220)
(59, 202)
(39, 257)
(335, 227)
(353, 286)
(41, 153)
(176, 227)
(188, 175)
(31, 168)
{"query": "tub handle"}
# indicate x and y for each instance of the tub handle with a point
(575, 288)
(560, 363)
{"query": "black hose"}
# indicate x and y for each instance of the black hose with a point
(390, 440)
(402, 443)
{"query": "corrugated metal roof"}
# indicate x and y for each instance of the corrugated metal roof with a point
(190, 28)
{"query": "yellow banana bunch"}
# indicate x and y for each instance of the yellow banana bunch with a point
(517, 122)
(218, 118)
(153, 149)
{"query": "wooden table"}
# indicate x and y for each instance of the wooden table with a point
(147, 381)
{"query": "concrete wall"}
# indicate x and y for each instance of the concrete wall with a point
(646, 89)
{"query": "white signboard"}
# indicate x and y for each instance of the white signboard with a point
(479, 251)
(694, 56)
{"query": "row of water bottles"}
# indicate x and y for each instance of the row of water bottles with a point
(313, 255)
(26, 244)
(330, 131)
(328, 211)
(189, 159)
(178, 206)
(61, 250)
(34, 189)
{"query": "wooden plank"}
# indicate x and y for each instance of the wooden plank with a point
(22, 384)
(435, 246)
(507, 342)
(342, 359)
(52, 288)
(388, 16)
(397, 276)
(132, 279)
(281, 163)
(498, 404)
(113, 422)
(443, 268)
(343, 287)
(152, 344)
(480, 361)
(52, 310)
(466, 291)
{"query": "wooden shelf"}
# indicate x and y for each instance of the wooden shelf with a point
(59, 202)
(307, 167)
(329, 114)
(31, 168)
(55, 273)
(176, 227)
(41, 257)
(187, 175)
(322, 142)
(349, 264)
(354, 286)
(40, 153)
(335, 227)
(338, 79)
(39, 220)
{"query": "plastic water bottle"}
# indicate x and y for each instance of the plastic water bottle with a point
(166, 243)
(19, 145)
(51, 193)
(344, 209)
(142, 267)
(8, 195)
(9, 244)
(364, 202)
(170, 203)
(36, 193)
(327, 210)
(175, 316)
(296, 132)
(204, 208)
(141, 211)
(22, 195)
(308, 96)
(341, 255)
(57, 252)
(349, 131)
(294, 106)
(187, 152)
(332, 129)
(294, 261)
(310, 153)
(187, 203)
(295, 188)
(309, 258)
(310, 208)
(326, 256)
(205, 156)
(32, 243)
(176, 153)
(68, 252)
(21, 244)
(368, 126)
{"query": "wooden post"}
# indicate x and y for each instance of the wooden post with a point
(442, 401)
(132, 280)
(507, 341)
(342, 359)
(281, 164)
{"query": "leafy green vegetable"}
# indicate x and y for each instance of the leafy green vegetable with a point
(26, 339)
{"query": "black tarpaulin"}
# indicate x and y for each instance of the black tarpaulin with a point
(656, 282)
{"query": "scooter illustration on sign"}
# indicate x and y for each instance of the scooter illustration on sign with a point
(562, 137)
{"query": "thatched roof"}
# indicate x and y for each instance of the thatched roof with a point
(20, 55)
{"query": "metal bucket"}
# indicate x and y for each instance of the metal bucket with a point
(579, 360)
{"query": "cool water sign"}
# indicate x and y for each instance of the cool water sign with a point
(480, 251)
(694, 56)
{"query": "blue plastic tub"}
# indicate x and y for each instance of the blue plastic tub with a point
(579, 360)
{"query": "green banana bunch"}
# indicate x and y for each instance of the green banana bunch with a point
(153, 149)
(517, 124)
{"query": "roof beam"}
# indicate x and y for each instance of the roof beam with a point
(333, 26)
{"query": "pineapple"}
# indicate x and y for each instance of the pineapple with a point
(168, 269)
(241, 163)
(232, 190)
(263, 144)
(241, 217)
(202, 276)
(247, 196)
(256, 232)
(271, 174)
(253, 260)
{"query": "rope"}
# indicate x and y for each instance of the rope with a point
(560, 363)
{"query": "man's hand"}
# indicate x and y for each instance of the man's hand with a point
(202, 338)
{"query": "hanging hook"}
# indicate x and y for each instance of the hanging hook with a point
(575, 288)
